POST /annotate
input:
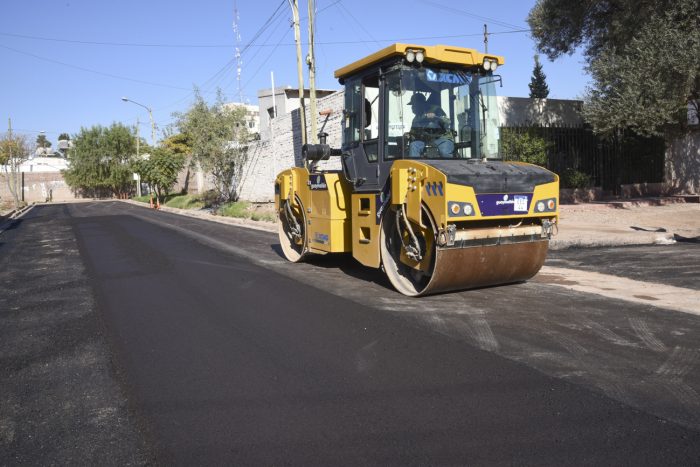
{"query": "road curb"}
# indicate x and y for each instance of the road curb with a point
(13, 216)
(247, 223)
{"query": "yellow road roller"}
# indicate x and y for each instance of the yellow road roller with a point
(424, 192)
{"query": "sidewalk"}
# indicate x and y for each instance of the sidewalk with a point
(626, 223)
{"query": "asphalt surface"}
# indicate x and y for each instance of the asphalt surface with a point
(677, 266)
(208, 348)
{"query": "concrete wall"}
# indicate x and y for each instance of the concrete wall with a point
(523, 111)
(682, 170)
(39, 187)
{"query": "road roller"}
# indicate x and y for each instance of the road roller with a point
(422, 189)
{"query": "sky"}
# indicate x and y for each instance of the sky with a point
(66, 64)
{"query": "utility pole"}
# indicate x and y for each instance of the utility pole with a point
(239, 63)
(138, 157)
(297, 38)
(311, 62)
(272, 120)
(486, 40)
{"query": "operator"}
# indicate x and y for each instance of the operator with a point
(430, 126)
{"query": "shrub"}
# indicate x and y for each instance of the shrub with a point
(524, 147)
(572, 178)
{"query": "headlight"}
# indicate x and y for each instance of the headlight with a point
(487, 65)
(494, 65)
(546, 205)
(457, 209)
(420, 56)
(410, 56)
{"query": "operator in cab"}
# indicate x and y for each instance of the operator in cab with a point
(430, 127)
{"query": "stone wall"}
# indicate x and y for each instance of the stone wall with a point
(682, 170)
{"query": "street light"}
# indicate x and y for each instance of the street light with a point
(153, 138)
(150, 115)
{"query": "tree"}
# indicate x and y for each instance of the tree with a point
(218, 137)
(42, 142)
(538, 82)
(100, 161)
(14, 150)
(160, 170)
(179, 144)
(644, 57)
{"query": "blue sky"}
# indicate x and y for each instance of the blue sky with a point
(67, 63)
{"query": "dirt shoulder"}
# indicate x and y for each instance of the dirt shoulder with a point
(603, 225)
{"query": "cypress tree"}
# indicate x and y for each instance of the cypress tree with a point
(538, 82)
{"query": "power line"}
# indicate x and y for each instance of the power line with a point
(472, 15)
(114, 44)
(110, 75)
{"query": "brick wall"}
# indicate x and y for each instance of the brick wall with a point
(39, 187)
(267, 158)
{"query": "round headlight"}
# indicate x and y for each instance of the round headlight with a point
(468, 210)
(540, 206)
(550, 204)
(454, 208)
(410, 56)
(419, 56)
(487, 65)
(494, 65)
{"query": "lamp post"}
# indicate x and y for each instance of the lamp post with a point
(150, 115)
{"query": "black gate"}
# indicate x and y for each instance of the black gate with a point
(623, 159)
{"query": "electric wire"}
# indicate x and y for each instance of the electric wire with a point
(89, 70)
(472, 15)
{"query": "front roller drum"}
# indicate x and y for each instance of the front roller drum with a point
(291, 228)
(447, 269)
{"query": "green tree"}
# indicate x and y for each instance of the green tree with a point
(644, 57)
(179, 143)
(14, 150)
(218, 137)
(160, 170)
(538, 82)
(42, 142)
(100, 161)
(64, 136)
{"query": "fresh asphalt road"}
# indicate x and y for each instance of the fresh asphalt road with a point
(135, 336)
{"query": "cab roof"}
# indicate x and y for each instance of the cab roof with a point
(434, 55)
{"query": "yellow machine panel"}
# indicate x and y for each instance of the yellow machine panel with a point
(328, 213)
(365, 229)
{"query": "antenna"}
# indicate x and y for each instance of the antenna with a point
(239, 62)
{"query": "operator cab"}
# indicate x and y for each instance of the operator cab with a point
(457, 118)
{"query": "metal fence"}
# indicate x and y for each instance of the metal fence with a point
(625, 158)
